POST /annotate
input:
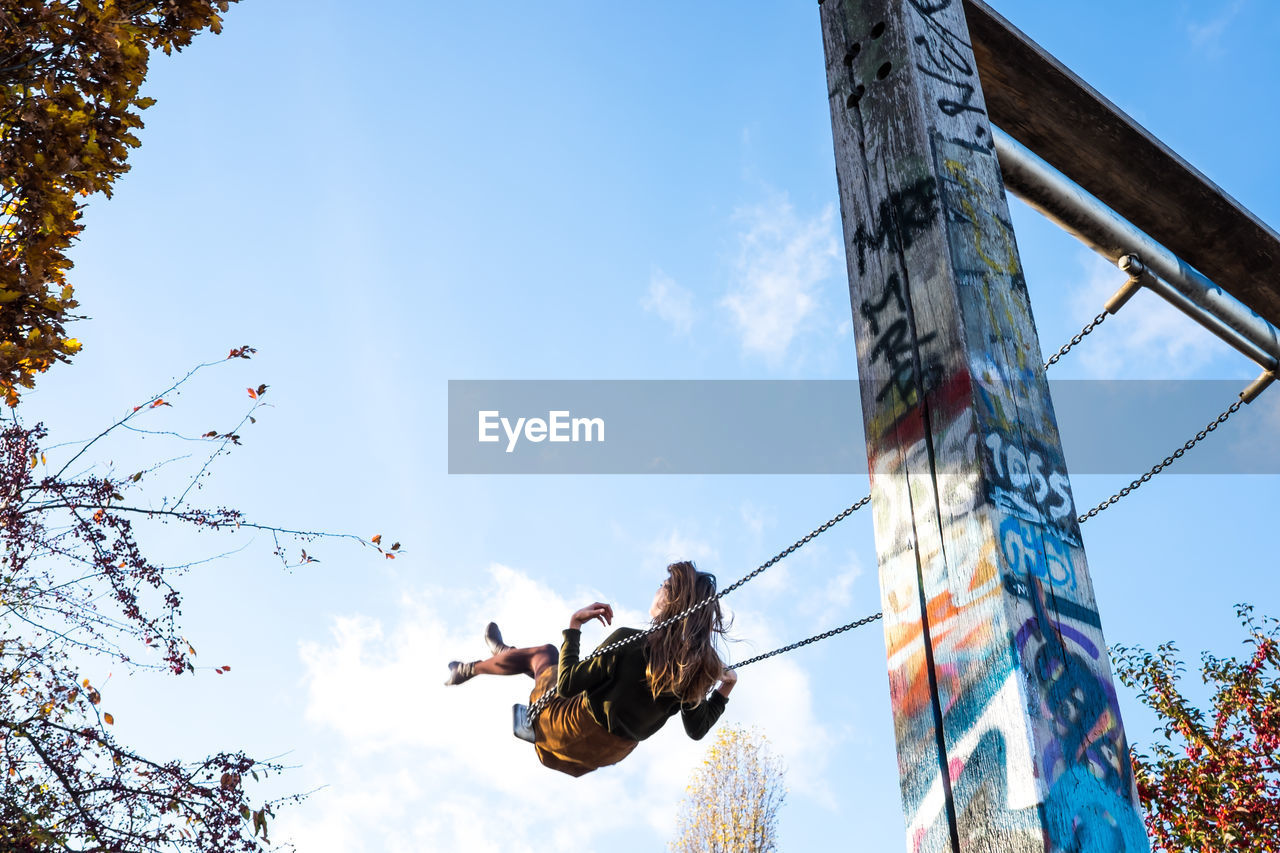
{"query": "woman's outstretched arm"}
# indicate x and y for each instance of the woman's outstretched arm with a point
(698, 721)
(573, 675)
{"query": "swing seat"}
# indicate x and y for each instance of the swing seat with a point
(519, 722)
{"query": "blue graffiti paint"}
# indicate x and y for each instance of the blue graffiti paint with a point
(1029, 549)
(1085, 815)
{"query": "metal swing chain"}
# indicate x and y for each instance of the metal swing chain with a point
(815, 638)
(546, 697)
(1166, 462)
(1075, 339)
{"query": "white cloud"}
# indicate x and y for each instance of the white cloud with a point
(754, 518)
(776, 580)
(414, 765)
(839, 598)
(1148, 338)
(671, 302)
(776, 696)
(1207, 36)
(782, 257)
(835, 600)
(675, 545)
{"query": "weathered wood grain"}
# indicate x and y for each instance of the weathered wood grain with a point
(1045, 106)
(1004, 714)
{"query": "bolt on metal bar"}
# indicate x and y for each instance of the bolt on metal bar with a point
(1141, 277)
(1080, 213)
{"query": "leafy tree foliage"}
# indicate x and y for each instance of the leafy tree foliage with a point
(75, 583)
(1213, 782)
(732, 802)
(70, 74)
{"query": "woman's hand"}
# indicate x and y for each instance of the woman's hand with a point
(728, 678)
(598, 610)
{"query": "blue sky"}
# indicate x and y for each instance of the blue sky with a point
(383, 198)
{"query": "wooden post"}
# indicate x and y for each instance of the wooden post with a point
(1009, 735)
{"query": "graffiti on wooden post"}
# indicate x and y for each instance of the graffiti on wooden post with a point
(1008, 732)
(898, 219)
(946, 56)
(894, 345)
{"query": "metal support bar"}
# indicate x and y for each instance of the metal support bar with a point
(1127, 290)
(1138, 272)
(1259, 385)
(1077, 211)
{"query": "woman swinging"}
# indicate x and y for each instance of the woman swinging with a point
(606, 705)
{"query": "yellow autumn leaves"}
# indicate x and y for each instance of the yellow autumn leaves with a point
(69, 102)
(733, 798)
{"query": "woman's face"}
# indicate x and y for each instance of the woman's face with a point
(659, 601)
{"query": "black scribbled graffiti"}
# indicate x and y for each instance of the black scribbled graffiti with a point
(871, 311)
(893, 344)
(1063, 607)
(898, 220)
(947, 59)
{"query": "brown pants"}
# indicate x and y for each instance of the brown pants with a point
(567, 738)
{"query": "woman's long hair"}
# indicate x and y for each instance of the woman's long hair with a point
(682, 658)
